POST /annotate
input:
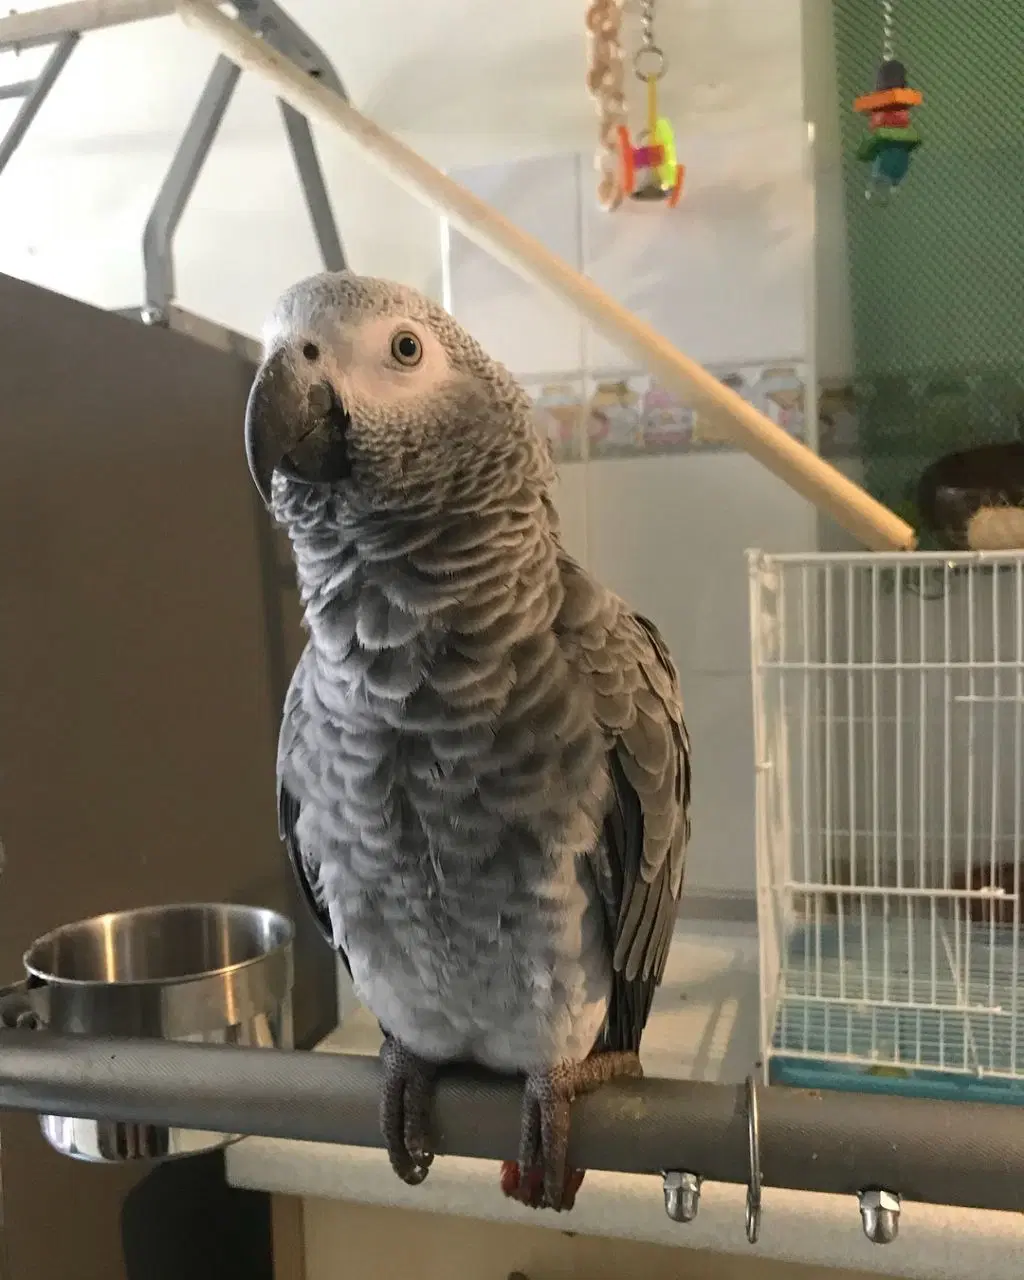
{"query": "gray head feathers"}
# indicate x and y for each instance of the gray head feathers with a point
(373, 399)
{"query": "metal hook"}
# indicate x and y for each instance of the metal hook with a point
(753, 1214)
(656, 67)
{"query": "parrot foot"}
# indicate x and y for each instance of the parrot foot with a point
(405, 1105)
(543, 1178)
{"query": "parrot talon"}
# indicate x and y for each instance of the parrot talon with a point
(544, 1133)
(405, 1104)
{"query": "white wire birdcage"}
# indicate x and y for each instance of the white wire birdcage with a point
(889, 748)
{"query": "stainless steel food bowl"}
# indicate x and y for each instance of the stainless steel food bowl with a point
(210, 972)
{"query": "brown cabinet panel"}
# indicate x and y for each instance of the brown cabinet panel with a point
(139, 703)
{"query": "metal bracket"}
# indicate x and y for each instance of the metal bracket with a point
(33, 94)
(23, 1006)
(311, 179)
(266, 19)
(208, 332)
(177, 187)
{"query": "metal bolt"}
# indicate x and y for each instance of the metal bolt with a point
(151, 315)
(880, 1215)
(682, 1194)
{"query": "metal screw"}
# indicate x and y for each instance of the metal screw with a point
(151, 315)
(880, 1214)
(682, 1194)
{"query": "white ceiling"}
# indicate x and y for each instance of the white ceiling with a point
(462, 80)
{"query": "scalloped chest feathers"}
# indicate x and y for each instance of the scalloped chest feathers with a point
(454, 776)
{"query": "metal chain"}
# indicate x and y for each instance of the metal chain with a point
(648, 61)
(647, 23)
(888, 22)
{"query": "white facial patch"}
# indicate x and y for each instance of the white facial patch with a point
(363, 366)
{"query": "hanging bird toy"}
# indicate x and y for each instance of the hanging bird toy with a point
(893, 136)
(649, 169)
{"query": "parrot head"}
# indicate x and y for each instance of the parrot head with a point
(373, 393)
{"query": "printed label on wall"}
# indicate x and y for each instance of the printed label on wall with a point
(627, 415)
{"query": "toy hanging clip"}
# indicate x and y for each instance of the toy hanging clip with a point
(649, 169)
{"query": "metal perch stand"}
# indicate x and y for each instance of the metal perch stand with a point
(967, 1154)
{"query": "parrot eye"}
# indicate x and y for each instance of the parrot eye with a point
(407, 348)
(311, 351)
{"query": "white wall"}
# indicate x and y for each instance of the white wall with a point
(465, 83)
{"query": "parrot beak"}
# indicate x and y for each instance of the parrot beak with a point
(293, 427)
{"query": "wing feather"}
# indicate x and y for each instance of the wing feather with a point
(289, 806)
(638, 864)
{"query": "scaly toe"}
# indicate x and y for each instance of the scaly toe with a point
(411, 1174)
(531, 1188)
(406, 1100)
(418, 1095)
(566, 1198)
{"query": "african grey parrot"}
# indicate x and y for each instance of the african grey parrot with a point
(483, 770)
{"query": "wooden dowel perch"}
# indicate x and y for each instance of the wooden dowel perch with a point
(848, 504)
(39, 26)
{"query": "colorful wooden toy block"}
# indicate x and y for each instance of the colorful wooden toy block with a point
(893, 136)
(649, 168)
